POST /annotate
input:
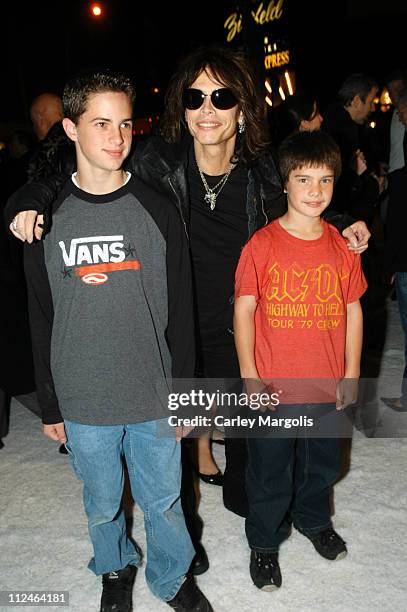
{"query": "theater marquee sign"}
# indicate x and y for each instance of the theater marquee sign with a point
(261, 14)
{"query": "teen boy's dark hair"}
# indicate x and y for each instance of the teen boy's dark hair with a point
(80, 87)
(309, 149)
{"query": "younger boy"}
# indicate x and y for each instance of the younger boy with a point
(297, 316)
(112, 322)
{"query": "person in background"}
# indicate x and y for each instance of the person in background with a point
(395, 82)
(299, 112)
(45, 111)
(54, 153)
(395, 244)
(358, 188)
(359, 193)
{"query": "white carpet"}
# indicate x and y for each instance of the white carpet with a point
(44, 542)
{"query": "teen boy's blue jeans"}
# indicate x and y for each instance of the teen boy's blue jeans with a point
(289, 479)
(154, 467)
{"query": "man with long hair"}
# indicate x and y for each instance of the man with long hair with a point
(213, 153)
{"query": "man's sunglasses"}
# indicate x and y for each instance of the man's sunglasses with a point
(222, 99)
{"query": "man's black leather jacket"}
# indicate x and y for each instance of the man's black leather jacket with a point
(164, 167)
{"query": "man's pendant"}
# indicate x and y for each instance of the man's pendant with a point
(210, 198)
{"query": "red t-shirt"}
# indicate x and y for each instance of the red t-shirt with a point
(302, 288)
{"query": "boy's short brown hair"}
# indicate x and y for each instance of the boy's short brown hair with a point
(81, 86)
(309, 149)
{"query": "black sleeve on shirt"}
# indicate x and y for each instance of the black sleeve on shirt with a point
(339, 220)
(180, 333)
(357, 195)
(41, 313)
(38, 196)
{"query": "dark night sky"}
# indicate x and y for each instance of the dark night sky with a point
(43, 42)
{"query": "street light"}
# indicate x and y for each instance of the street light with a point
(96, 9)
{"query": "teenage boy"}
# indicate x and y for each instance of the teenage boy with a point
(111, 316)
(297, 269)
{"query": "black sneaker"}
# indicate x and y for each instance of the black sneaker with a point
(189, 598)
(265, 570)
(328, 544)
(117, 590)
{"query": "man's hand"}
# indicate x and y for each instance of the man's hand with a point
(357, 236)
(55, 432)
(27, 224)
(358, 162)
(181, 431)
(346, 392)
(256, 388)
(381, 181)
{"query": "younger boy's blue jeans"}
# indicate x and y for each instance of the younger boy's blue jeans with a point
(154, 467)
(289, 480)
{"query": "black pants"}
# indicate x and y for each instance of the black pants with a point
(188, 497)
(289, 480)
(220, 362)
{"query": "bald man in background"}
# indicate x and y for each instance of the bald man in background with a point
(45, 111)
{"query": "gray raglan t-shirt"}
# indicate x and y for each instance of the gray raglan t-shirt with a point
(106, 263)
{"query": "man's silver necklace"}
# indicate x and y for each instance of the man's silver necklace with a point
(212, 194)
